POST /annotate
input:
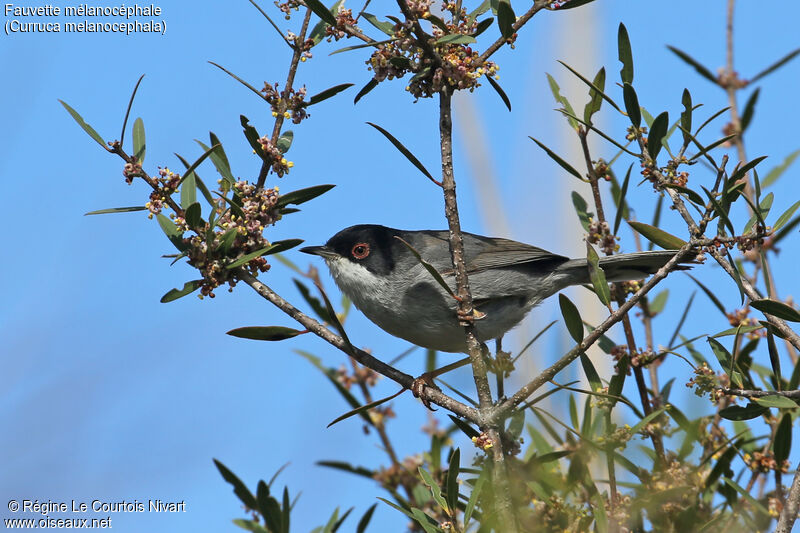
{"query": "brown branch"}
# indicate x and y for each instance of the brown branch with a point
(538, 5)
(430, 394)
(794, 394)
(791, 507)
(276, 129)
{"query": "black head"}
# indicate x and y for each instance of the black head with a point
(369, 245)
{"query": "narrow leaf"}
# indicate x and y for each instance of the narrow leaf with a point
(624, 54)
(777, 309)
(506, 18)
(86, 127)
(563, 164)
(500, 91)
(773, 175)
(371, 84)
(620, 200)
(117, 210)
(188, 288)
(782, 61)
(139, 143)
(703, 71)
(328, 93)
(302, 195)
(321, 11)
(406, 152)
(265, 333)
(657, 236)
(571, 317)
(632, 105)
(597, 276)
(749, 109)
(736, 412)
(657, 132)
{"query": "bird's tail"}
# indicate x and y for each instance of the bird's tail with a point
(623, 267)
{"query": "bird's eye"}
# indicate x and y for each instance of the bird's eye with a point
(360, 250)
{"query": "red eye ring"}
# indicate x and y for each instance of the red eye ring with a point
(360, 250)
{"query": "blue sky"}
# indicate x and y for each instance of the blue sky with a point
(110, 395)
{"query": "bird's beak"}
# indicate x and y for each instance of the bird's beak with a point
(322, 251)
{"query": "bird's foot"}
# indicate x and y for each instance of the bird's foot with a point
(425, 380)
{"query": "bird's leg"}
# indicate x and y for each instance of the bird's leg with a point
(426, 379)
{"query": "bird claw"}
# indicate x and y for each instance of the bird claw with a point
(425, 380)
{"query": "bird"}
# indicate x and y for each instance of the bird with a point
(377, 268)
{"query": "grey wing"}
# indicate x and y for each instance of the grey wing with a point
(484, 254)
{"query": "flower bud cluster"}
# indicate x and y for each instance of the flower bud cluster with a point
(290, 103)
(132, 169)
(600, 234)
(280, 165)
(287, 7)
(168, 183)
(239, 232)
(765, 462)
(456, 66)
(344, 18)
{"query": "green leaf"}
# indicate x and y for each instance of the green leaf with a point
(364, 408)
(436, 491)
(622, 206)
(473, 497)
(571, 317)
(760, 214)
(782, 444)
(563, 164)
(128, 113)
(581, 208)
(686, 117)
(250, 525)
(275, 247)
(736, 412)
(265, 333)
(781, 402)
(624, 54)
(239, 488)
(252, 136)
(572, 4)
(315, 304)
(597, 276)
(188, 288)
(321, 11)
(219, 159)
(784, 218)
(720, 211)
(451, 481)
(328, 93)
(482, 26)
(749, 109)
(776, 309)
(632, 105)
(596, 87)
(703, 71)
(333, 377)
(456, 38)
(139, 144)
(744, 169)
(554, 88)
(506, 18)
(500, 91)
(385, 27)
(188, 190)
(658, 303)
(371, 44)
(591, 373)
(347, 467)
(657, 236)
(406, 152)
(595, 96)
(285, 141)
(301, 196)
(117, 210)
(371, 84)
(777, 172)
(240, 80)
(171, 231)
(657, 133)
(782, 61)
(364, 522)
(465, 428)
(86, 127)
(646, 420)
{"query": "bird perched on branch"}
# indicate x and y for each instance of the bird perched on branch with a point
(378, 269)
